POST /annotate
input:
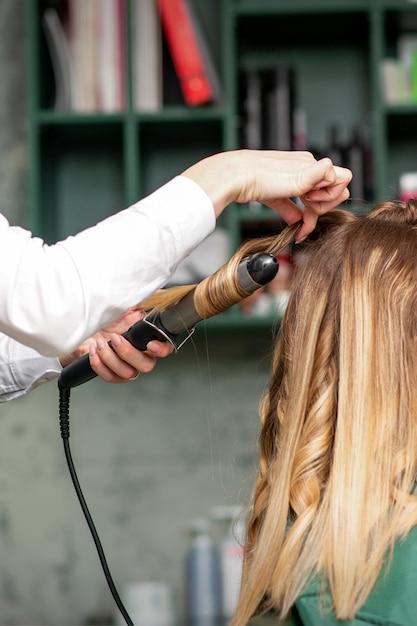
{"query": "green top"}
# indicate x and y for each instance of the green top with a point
(392, 602)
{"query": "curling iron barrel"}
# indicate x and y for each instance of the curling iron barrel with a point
(171, 323)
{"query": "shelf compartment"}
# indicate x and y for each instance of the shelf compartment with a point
(166, 149)
(401, 141)
(81, 176)
(330, 65)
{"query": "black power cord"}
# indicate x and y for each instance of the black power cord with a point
(64, 398)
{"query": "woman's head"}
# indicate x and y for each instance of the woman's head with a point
(338, 446)
(338, 443)
(352, 316)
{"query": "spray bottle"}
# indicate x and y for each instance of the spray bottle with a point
(203, 582)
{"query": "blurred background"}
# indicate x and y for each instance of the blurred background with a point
(337, 77)
(150, 455)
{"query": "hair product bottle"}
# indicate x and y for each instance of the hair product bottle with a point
(203, 582)
(230, 549)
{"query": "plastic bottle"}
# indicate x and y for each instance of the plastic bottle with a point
(408, 186)
(231, 555)
(203, 582)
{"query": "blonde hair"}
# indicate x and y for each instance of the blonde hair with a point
(338, 440)
(338, 444)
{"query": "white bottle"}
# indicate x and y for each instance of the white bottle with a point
(231, 555)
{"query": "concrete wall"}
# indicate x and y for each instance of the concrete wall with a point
(150, 455)
(12, 110)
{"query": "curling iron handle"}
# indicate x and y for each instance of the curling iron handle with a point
(80, 371)
(170, 323)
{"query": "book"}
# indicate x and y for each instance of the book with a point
(147, 57)
(190, 53)
(97, 42)
(59, 52)
(109, 35)
(82, 45)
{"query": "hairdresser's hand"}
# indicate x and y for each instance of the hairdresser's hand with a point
(273, 177)
(121, 362)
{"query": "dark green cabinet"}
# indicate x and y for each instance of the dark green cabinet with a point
(86, 166)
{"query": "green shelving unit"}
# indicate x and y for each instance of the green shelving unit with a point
(84, 167)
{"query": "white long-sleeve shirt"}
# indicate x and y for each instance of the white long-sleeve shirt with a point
(22, 369)
(54, 297)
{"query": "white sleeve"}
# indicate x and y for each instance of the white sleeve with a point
(53, 297)
(23, 369)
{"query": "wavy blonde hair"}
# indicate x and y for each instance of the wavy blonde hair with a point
(338, 443)
(338, 440)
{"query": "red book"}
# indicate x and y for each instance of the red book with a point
(189, 52)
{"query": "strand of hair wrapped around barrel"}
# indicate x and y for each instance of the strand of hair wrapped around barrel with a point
(221, 290)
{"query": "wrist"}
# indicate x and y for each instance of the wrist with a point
(65, 359)
(220, 176)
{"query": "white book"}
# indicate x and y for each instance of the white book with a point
(147, 60)
(83, 50)
(111, 66)
(61, 59)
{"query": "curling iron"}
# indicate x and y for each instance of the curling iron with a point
(170, 324)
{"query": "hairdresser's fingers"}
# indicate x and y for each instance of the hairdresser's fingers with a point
(143, 361)
(323, 185)
(107, 364)
(287, 209)
(122, 324)
(311, 214)
(121, 362)
(331, 187)
(327, 187)
(319, 201)
(316, 203)
(159, 348)
(288, 175)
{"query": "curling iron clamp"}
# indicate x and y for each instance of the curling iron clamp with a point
(170, 324)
